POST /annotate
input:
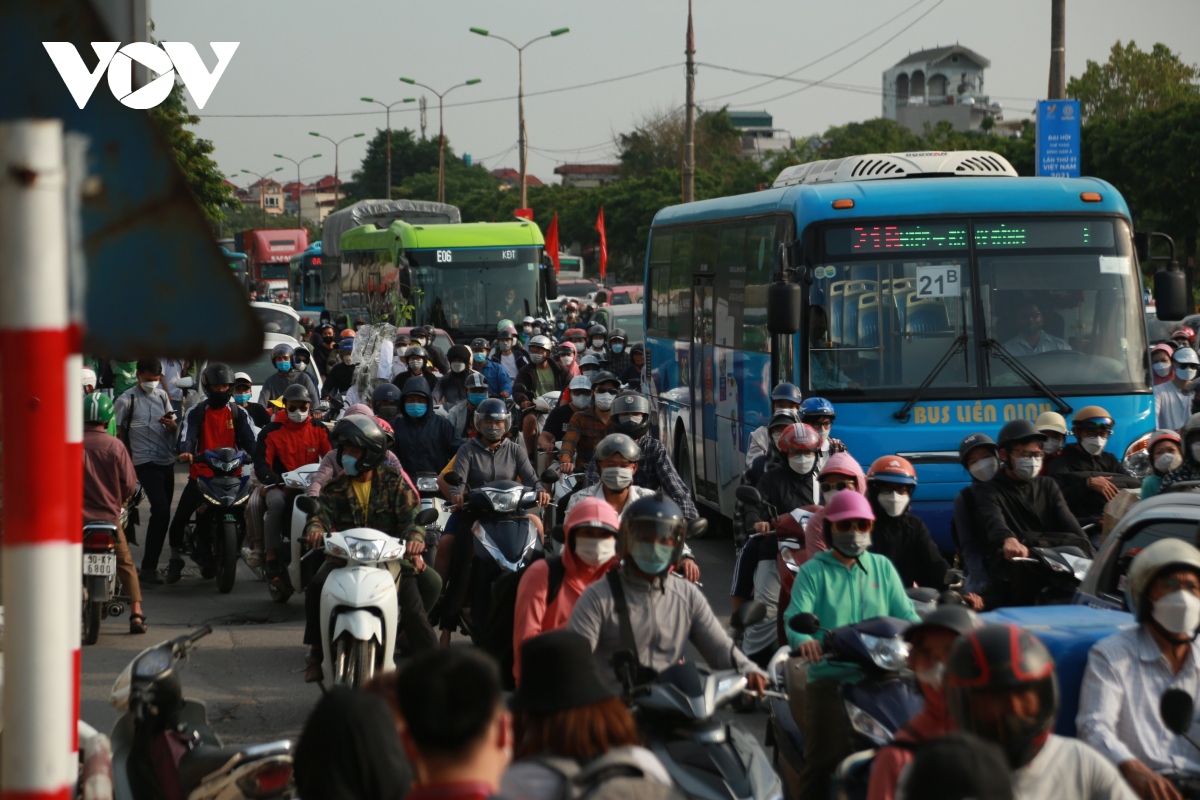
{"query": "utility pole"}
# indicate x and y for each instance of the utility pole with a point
(300, 187)
(388, 106)
(441, 129)
(336, 181)
(1058, 50)
(689, 123)
(423, 118)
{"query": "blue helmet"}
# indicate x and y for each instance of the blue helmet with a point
(787, 391)
(816, 407)
(346, 345)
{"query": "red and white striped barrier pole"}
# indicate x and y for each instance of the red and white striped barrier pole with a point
(42, 501)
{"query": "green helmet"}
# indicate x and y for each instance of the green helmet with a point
(98, 407)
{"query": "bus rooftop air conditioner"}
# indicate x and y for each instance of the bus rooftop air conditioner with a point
(884, 166)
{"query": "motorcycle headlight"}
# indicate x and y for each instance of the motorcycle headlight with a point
(337, 551)
(207, 494)
(229, 466)
(887, 653)
(242, 499)
(504, 501)
(427, 484)
(153, 663)
(1137, 457)
(867, 725)
(365, 549)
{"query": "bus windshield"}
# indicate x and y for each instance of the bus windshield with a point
(469, 290)
(273, 271)
(1060, 296)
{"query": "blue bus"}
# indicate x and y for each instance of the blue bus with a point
(924, 279)
(237, 265)
(308, 279)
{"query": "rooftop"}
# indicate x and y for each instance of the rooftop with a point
(587, 169)
(936, 54)
(751, 119)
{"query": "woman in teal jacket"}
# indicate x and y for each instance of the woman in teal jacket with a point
(1165, 452)
(841, 586)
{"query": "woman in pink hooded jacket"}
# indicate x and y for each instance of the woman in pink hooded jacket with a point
(837, 474)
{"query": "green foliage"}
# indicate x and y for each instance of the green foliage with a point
(1133, 80)
(410, 156)
(243, 218)
(193, 155)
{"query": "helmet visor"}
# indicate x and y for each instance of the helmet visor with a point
(657, 531)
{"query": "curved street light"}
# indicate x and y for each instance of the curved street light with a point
(441, 130)
(299, 219)
(388, 106)
(336, 144)
(261, 199)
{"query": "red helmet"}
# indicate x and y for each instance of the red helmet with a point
(1163, 436)
(800, 438)
(1186, 331)
(892, 469)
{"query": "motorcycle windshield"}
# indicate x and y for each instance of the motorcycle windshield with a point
(511, 537)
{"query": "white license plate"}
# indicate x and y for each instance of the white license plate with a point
(99, 564)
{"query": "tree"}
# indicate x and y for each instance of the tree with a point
(243, 218)
(192, 154)
(1133, 80)
(658, 141)
(410, 156)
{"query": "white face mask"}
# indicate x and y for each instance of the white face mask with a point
(566, 359)
(595, 552)
(604, 400)
(828, 496)
(1053, 445)
(537, 358)
(1178, 612)
(416, 364)
(775, 437)
(1094, 445)
(457, 366)
(297, 416)
(598, 344)
(984, 469)
(802, 464)
(148, 386)
(1161, 368)
(579, 346)
(1168, 462)
(300, 366)
(527, 328)
(616, 479)
(1185, 373)
(933, 676)
(892, 503)
(1027, 468)
(581, 401)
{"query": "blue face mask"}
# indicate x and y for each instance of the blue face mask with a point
(475, 398)
(617, 348)
(479, 358)
(415, 409)
(350, 465)
(283, 366)
(651, 557)
(241, 398)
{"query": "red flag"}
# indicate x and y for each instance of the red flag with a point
(603, 244)
(551, 246)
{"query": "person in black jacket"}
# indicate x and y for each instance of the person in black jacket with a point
(418, 367)
(340, 376)
(1088, 475)
(792, 484)
(424, 336)
(631, 376)
(452, 388)
(424, 440)
(1018, 509)
(899, 534)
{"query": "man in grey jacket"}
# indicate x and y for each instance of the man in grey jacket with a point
(286, 373)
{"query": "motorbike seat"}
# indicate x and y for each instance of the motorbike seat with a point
(100, 525)
(202, 761)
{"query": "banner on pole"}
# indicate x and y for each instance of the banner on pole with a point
(1058, 139)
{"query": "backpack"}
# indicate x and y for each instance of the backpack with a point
(616, 775)
(498, 636)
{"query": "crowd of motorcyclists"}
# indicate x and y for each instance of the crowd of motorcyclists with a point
(550, 399)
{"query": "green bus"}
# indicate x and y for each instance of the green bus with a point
(463, 278)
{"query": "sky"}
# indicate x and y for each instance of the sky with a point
(303, 57)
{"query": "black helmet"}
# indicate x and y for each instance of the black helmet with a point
(492, 410)
(618, 444)
(654, 519)
(787, 391)
(975, 440)
(1019, 430)
(479, 343)
(459, 352)
(385, 401)
(415, 351)
(296, 393)
(362, 431)
(631, 414)
(217, 374)
(281, 349)
(783, 417)
(604, 376)
(637, 347)
(597, 330)
(618, 333)
(475, 380)
(951, 616)
(997, 658)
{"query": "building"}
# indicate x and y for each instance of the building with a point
(266, 194)
(588, 176)
(759, 140)
(509, 177)
(942, 84)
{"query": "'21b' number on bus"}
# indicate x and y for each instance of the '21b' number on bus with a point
(938, 281)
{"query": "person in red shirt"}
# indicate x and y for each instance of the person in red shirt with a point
(288, 442)
(931, 641)
(217, 422)
(457, 732)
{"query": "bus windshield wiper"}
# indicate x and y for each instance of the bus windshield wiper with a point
(998, 351)
(956, 347)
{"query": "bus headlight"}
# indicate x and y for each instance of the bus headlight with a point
(1137, 457)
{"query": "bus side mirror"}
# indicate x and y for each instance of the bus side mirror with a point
(1170, 284)
(783, 307)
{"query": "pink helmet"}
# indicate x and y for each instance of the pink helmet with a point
(592, 512)
(848, 505)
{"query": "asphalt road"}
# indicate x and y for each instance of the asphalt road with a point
(250, 671)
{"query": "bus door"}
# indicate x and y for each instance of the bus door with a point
(703, 402)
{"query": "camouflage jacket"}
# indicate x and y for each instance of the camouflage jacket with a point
(391, 508)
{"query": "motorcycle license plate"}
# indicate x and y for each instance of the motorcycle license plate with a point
(99, 564)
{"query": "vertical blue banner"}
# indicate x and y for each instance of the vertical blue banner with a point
(1058, 139)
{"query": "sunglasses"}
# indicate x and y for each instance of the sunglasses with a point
(898, 488)
(830, 486)
(611, 392)
(846, 525)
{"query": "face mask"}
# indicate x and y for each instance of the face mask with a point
(828, 496)
(350, 465)
(617, 478)
(297, 416)
(578, 346)
(242, 399)
(775, 437)
(475, 398)
(984, 469)
(604, 400)
(527, 328)
(581, 401)
(562, 326)
(567, 359)
(651, 557)
(598, 344)
(933, 676)
(148, 386)
(617, 348)
(1168, 462)
(479, 358)
(283, 366)
(1027, 468)
(219, 399)
(851, 544)
(802, 464)
(346, 359)
(537, 358)
(416, 364)
(1053, 445)
(415, 409)
(1161, 368)
(419, 341)
(595, 552)
(301, 366)
(328, 339)
(457, 366)
(1185, 373)
(892, 503)
(1178, 612)
(1094, 445)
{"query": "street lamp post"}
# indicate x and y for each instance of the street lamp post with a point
(441, 130)
(388, 106)
(299, 218)
(336, 144)
(262, 200)
(521, 137)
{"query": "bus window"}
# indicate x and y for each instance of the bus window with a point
(314, 291)
(730, 284)
(760, 263)
(679, 298)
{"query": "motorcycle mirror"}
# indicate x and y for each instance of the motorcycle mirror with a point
(697, 528)
(1175, 708)
(748, 614)
(550, 476)
(453, 478)
(558, 535)
(184, 383)
(307, 505)
(426, 516)
(805, 623)
(748, 495)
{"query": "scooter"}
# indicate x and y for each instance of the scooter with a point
(562, 488)
(101, 591)
(293, 548)
(1059, 570)
(359, 606)
(707, 759)
(431, 498)
(1176, 708)
(162, 745)
(216, 536)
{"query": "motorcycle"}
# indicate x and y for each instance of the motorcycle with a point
(562, 489)
(359, 606)
(101, 595)
(1176, 708)
(293, 549)
(431, 498)
(706, 758)
(163, 746)
(214, 539)
(1058, 570)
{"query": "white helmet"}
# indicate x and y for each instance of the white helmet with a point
(89, 377)
(541, 341)
(1163, 554)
